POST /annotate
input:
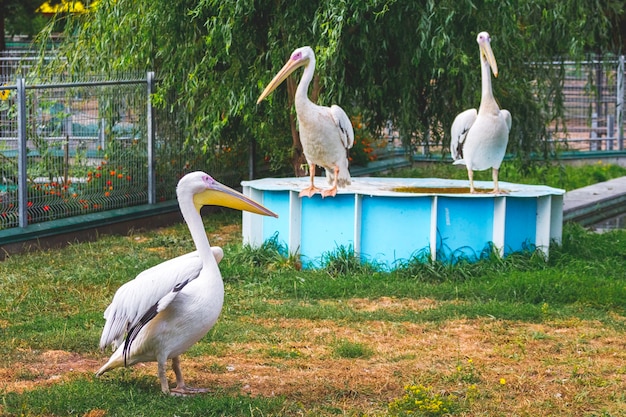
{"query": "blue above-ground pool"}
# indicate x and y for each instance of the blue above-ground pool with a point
(391, 220)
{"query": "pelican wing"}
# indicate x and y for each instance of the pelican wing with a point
(149, 315)
(342, 121)
(461, 125)
(507, 118)
(133, 299)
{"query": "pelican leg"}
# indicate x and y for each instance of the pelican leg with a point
(332, 191)
(496, 185)
(470, 175)
(165, 386)
(182, 390)
(311, 189)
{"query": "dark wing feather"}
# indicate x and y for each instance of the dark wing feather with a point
(149, 315)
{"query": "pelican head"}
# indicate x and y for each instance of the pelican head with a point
(486, 54)
(207, 191)
(300, 57)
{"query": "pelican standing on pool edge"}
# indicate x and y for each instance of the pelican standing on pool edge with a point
(326, 133)
(479, 138)
(161, 321)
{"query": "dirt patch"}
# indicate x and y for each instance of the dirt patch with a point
(227, 234)
(496, 367)
(391, 304)
(49, 367)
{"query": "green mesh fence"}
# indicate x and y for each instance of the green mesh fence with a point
(86, 149)
(87, 146)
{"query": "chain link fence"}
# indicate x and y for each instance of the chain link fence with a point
(73, 148)
(593, 101)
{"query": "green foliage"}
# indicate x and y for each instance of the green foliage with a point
(343, 261)
(271, 255)
(20, 18)
(414, 63)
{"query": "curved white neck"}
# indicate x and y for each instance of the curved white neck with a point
(196, 228)
(302, 92)
(487, 101)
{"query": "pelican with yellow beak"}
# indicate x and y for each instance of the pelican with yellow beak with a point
(166, 309)
(326, 133)
(479, 138)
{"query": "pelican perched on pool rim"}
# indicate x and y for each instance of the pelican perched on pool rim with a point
(479, 138)
(166, 309)
(326, 133)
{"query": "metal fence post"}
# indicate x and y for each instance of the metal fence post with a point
(22, 179)
(150, 134)
(619, 104)
(610, 131)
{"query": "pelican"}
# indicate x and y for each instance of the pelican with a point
(169, 307)
(479, 139)
(326, 133)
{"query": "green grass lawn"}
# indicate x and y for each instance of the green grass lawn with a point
(520, 336)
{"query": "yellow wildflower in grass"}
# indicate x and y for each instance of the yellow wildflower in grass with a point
(467, 372)
(419, 400)
(472, 394)
(502, 381)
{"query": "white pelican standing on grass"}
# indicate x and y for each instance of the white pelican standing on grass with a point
(326, 133)
(166, 309)
(479, 139)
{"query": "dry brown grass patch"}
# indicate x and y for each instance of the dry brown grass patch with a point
(495, 367)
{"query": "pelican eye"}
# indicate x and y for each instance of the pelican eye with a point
(296, 56)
